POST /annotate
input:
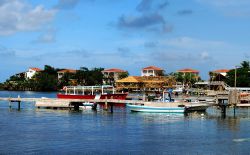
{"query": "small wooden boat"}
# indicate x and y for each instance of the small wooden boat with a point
(196, 107)
(87, 105)
(156, 109)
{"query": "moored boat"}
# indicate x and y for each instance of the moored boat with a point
(87, 105)
(154, 108)
(91, 92)
(196, 107)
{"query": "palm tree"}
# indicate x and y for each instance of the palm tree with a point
(245, 64)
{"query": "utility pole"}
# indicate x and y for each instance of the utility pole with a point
(235, 77)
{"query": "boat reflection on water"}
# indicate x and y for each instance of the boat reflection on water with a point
(159, 117)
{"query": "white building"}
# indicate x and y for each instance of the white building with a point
(152, 71)
(31, 72)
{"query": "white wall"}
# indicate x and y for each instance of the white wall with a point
(30, 73)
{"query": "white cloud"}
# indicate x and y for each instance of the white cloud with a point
(16, 15)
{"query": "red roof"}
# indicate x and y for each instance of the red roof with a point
(221, 71)
(67, 71)
(152, 68)
(188, 70)
(115, 70)
(36, 69)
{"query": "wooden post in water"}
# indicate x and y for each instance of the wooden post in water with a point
(19, 105)
(19, 102)
(106, 103)
(9, 103)
(223, 106)
(233, 99)
(76, 106)
(94, 107)
(111, 105)
(223, 111)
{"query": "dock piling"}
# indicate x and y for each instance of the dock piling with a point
(106, 104)
(223, 105)
(19, 102)
(111, 107)
(94, 107)
(9, 104)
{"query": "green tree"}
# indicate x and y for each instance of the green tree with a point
(65, 80)
(44, 81)
(81, 75)
(245, 64)
(95, 76)
(50, 70)
(123, 75)
(84, 76)
(242, 75)
(187, 78)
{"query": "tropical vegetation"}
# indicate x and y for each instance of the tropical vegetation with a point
(242, 75)
(47, 80)
(187, 78)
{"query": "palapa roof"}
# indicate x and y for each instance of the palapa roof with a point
(130, 79)
(154, 81)
(35, 69)
(137, 79)
(152, 68)
(67, 71)
(221, 71)
(116, 70)
(187, 70)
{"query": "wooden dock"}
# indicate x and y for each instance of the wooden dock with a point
(55, 103)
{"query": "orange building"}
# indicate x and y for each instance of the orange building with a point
(189, 71)
(62, 72)
(111, 75)
(152, 71)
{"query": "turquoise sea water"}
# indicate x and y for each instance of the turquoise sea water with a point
(45, 131)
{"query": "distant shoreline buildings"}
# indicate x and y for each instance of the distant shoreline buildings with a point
(152, 78)
(111, 75)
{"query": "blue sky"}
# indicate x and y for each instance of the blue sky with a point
(127, 34)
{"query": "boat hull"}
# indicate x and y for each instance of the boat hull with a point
(159, 111)
(196, 108)
(154, 109)
(70, 96)
(114, 96)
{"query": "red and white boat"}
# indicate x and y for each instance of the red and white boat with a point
(91, 92)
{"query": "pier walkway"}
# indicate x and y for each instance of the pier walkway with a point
(54, 103)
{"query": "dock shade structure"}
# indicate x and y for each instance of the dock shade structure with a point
(147, 83)
(88, 89)
(217, 78)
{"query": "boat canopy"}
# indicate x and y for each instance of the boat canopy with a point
(92, 89)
